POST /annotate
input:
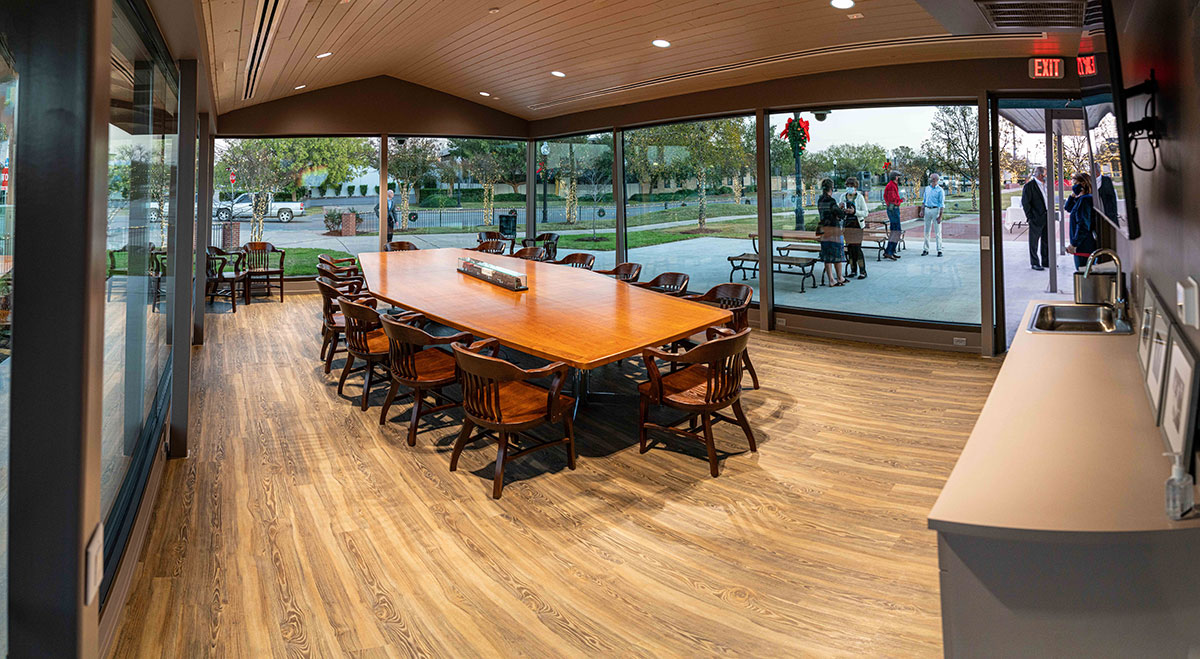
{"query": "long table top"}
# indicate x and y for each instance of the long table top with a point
(579, 317)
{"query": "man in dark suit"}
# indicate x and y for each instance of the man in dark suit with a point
(391, 213)
(1033, 202)
(1106, 193)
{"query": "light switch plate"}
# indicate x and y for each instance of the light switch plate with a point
(985, 243)
(94, 565)
(1187, 297)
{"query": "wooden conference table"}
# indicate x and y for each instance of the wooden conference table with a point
(575, 316)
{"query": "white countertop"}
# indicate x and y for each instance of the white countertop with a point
(1066, 444)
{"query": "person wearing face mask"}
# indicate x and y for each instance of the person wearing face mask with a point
(854, 203)
(1083, 231)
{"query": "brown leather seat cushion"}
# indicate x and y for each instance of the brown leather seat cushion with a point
(521, 402)
(686, 387)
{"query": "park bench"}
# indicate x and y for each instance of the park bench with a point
(878, 220)
(795, 265)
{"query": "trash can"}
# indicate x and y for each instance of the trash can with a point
(508, 225)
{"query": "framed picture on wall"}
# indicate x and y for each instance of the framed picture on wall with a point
(1146, 321)
(1179, 396)
(1156, 369)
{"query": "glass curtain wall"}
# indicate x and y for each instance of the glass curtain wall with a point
(933, 153)
(448, 190)
(691, 199)
(142, 168)
(574, 195)
(314, 195)
(8, 168)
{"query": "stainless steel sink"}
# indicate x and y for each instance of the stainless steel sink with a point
(1077, 319)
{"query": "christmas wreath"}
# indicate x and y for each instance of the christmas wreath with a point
(797, 138)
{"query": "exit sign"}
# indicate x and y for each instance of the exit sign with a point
(1045, 68)
(1086, 65)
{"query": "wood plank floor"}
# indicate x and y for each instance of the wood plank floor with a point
(300, 527)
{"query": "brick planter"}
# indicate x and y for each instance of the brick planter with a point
(349, 224)
(231, 236)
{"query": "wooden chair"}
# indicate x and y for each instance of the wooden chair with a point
(416, 360)
(671, 283)
(342, 279)
(491, 246)
(578, 260)
(114, 270)
(530, 254)
(549, 241)
(400, 246)
(624, 272)
(157, 270)
(259, 256)
(347, 265)
(485, 236)
(217, 274)
(365, 340)
(333, 323)
(499, 399)
(736, 299)
(711, 380)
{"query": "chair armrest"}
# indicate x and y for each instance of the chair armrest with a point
(482, 344)
(692, 296)
(348, 259)
(558, 371)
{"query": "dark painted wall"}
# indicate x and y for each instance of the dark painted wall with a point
(1165, 35)
(369, 107)
(955, 80)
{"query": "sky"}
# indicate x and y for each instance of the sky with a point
(888, 127)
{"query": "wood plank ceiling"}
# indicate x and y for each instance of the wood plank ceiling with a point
(464, 47)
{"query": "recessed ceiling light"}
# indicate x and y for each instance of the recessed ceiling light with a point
(842, 4)
(299, 87)
(484, 94)
(558, 74)
(323, 55)
(661, 43)
(494, 10)
(854, 17)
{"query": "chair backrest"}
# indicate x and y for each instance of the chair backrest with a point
(405, 340)
(324, 270)
(219, 259)
(734, 297)
(530, 254)
(400, 246)
(360, 321)
(481, 376)
(722, 353)
(329, 298)
(627, 271)
(258, 254)
(491, 246)
(578, 260)
(489, 235)
(672, 282)
(329, 260)
(547, 238)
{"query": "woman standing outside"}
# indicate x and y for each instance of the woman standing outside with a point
(1083, 230)
(855, 205)
(829, 231)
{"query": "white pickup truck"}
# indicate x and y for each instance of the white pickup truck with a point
(284, 211)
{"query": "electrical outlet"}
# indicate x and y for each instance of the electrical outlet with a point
(94, 565)
(781, 322)
(960, 340)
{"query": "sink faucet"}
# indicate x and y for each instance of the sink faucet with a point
(1117, 301)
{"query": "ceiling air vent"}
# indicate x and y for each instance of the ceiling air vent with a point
(1022, 14)
(264, 32)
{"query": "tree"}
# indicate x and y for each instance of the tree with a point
(914, 166)
(709, 146)
(955, 138)
(646, 155)
(487, 169)
(409, 160)
(1009, 154)
(508, 157)
(448, 170)
(267, 166)
(847, 160)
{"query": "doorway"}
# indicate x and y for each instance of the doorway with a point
(1037, 145)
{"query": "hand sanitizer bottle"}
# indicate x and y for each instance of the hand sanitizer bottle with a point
(1181, 495)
